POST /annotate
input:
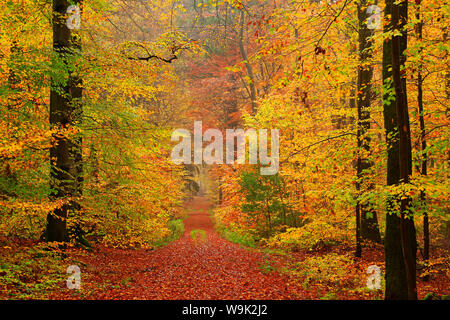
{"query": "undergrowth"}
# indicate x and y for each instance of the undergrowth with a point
(31, 272)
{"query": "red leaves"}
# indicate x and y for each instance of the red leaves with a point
(186, 269)
(211, 269)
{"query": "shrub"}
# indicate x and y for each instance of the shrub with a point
(330, 270)
(176, 228)
(314, 235)
(238, 237)
(176, 231)
(30, 272)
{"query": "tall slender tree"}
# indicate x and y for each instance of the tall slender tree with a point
(65, 113)
(400, 239)
(251, 76)
(366, 214)
(422, 166)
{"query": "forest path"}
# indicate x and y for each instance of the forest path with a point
(208, 268)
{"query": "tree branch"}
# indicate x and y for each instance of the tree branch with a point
(316, 143)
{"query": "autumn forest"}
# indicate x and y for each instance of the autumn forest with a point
(224, 150)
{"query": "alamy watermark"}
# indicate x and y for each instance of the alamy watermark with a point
(374, 280)
(74, 19)
(234, 147)
(74, 280)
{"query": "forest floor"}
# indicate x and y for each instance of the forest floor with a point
(200, 265)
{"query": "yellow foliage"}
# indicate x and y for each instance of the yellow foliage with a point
(313, 235)
(329, 270)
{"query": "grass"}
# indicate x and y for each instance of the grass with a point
(267, 266)
(195, 235)
(232, 236)
(176, 231)
(242, 239)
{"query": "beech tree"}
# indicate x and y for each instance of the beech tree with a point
(400, 238)
(65, 114)
(88, 112)
(366, 215)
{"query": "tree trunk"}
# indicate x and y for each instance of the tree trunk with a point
(247, 64)
(423, 165)
(400, 239)
(368, 216)
(447, 93)
(65, 112)
(358, 250)
(13, 83)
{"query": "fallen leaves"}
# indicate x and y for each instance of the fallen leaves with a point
(185, 269)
